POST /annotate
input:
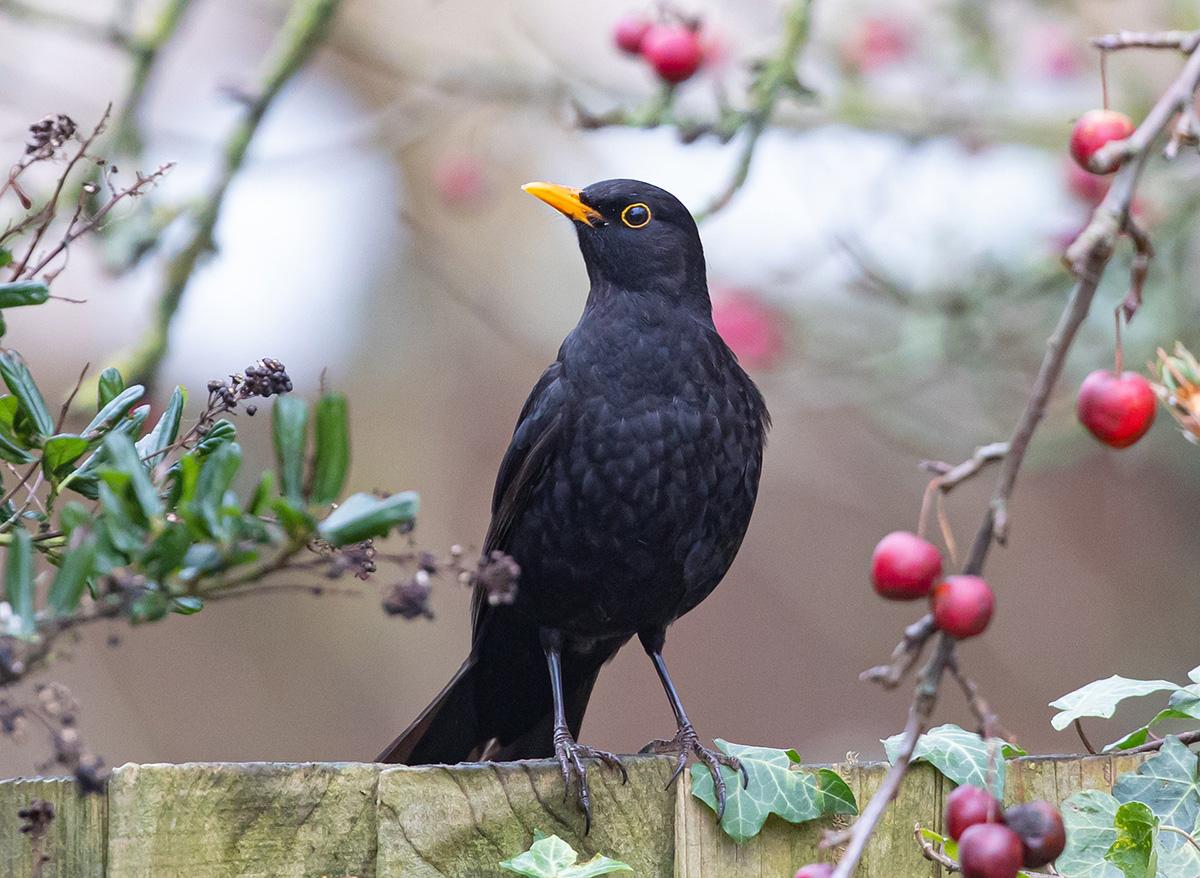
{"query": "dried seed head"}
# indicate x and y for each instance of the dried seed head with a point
(48, 134)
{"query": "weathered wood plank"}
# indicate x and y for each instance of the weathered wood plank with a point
(254, 820)
(75, 841)
(460, 822)
(704, 851)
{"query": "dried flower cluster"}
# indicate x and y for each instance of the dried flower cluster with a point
(266, 378)
(54, 708)
(49, 134)
(1179, 389)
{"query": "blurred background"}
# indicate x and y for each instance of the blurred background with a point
(889, 272)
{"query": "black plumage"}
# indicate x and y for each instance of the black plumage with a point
(624, 494)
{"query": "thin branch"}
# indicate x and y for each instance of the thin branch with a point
(1083, 738)
(1151, 746)
(904, 656)
(1184, 41)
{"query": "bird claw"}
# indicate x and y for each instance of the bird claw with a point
(571, 756)
(686, 742)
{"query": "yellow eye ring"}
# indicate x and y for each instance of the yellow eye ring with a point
(641, 215)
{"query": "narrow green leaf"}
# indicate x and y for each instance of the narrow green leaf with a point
(23, 292)
(122, 466)
(363, 516)
(111, 384)
(113, 411)
(18, 579)
(11, 451)
(150, 606)
(263, 492)
(20, 382)
(77, 567)
(216, 475)
(5, 257)
(186, 605)
(59, 453)
(167, 428)
(220, 433)
(290, 428)
(332, 456)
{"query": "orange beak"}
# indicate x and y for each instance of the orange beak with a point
(565, 201)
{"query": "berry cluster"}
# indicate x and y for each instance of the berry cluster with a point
(905, 567)
(997, 844)
(673, 48)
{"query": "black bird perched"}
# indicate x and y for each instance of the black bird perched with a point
(624, 496)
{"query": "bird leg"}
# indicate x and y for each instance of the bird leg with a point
(686, 741)
(570, 754)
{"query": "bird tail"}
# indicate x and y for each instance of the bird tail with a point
(498, 706)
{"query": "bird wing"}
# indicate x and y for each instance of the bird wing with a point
(529, 453)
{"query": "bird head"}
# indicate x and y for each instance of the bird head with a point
(633, 236)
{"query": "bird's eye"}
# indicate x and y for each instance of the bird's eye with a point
(635, 215)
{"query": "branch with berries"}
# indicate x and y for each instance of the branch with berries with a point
(1112, 406)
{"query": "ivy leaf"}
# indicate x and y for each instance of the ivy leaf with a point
(23, 292)
(777, 786)
(1088, 818)
(1184, 704)
(363, 516)
(962, 756)
(1168, 785)
(1133, 851)
(551, 857)
(1100, 698)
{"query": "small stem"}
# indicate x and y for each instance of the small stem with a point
(1087, 745)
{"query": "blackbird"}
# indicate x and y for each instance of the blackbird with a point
(623, 497)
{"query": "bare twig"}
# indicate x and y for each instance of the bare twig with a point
(1151, 746)
(1185, 41)
(904, 656)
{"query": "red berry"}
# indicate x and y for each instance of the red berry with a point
(749, 326)
(814, 870)
(1039, 825)
(962, 605)
(989, 850)
(1086, 186)
(904, 566)
(969, 805)
(674, 51)
(1116, 409)
(1096, 128)
(879, 43)
(629, 33)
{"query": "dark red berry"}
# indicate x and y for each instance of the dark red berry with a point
(989, 850)
(967, 806)
(629, 33)
(962, 605)
(1117, 409)
(674, 51)
(1039, 825)
(814, 870)
(1093, 130)
(904, 566)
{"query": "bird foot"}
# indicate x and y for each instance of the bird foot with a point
(571, 756)
(686, 742)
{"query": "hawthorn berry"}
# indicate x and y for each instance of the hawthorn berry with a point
(1093, 130)
(989, 850)
(814, 870)
(967, 806)
(629, 33)
(1116, 409)
(673, 50)
(1039, 825)
(904, 566)
(962, 605)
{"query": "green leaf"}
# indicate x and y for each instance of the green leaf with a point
(216, 475)
(5, 257)
(1101, 698)
(551, 857)
(186, 605)
(363, 516)
(1184, 704)
(167, 551)
(20, 382)
(777, 786)
(221, 433)
(1088, 818)
(150, 606)
(110, 385)
(167, 428)
(290, 428)
(1168, 784)
(23, 292)
(60, 453)
(263, 491)
(1133, 850)
(10, 450)
(18, 580)
(113, 411)
(962, 756)
(123, 470)
(77, 566)
(332, 456)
